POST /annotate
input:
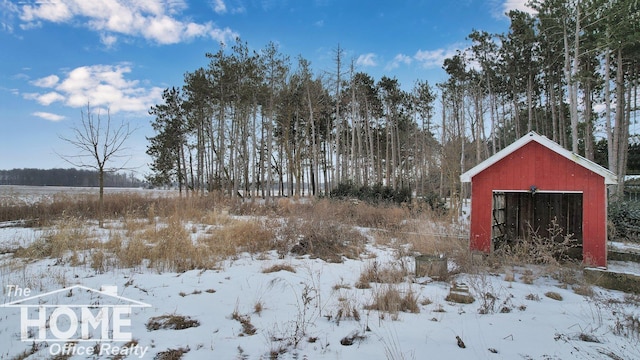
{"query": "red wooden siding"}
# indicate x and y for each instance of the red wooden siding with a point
(536, 165)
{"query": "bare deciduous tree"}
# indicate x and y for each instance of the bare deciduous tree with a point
(99, 144)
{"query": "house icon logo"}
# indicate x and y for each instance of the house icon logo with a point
(74, 314)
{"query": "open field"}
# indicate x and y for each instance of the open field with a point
(314, 279)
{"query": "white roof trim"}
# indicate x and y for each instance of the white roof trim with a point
(609, 177)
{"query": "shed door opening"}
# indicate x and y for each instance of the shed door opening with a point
(516, 214)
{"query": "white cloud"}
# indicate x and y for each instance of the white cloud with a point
(501, 7)
(45, 99)
(108, 40)
(239, 10)
(222, 35)
(100, 86)
(154, 20)
(219, 6)
(434, 58)
(367, 60)
(398, 60)
(54, 11)
(46, 82)
(48, 116)
(517, 5)
(8, 10)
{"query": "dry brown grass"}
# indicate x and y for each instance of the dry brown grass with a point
(329, 240)
(171, 354)
(244, 320)
(171, 322)
(584, 290)
(279, 267)
(116, 206)
(239, 236)
(173, 250)
(553, 295)
(390, 299)
(347, 310)
(346, 212)
(165, 232)
(374, 272)
(68, 235)
(258, 307)
(429, 237)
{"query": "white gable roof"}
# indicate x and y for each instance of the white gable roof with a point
(609, 177)
(37, 301)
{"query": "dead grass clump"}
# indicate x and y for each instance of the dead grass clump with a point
(341, 285)
(173, 249)
(38, 249)
(252, 208)
(35, 347)
(427, 235)
(279, 267)
(567, 274)
(528, 277)
(383, 217)
(350, 339)
(327, 240)
(171, 322)
(240, 236)
(588, 338)
(217, 217)
(509, 277)
(390, 299)
(245, 321)
(133, 253)
(584, 290)
(258, 307)
(171, 354)
(532, 297)
(627, 325)
(190, 207)
(376, 273)
(347, 309)
(553, 295)
(99, 262)
(349, 212)
(133, 224)
(113, 243)
(554, 250)
(69, 235)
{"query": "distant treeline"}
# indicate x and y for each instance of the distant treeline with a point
(65, 177)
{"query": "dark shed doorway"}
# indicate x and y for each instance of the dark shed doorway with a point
(515, 215)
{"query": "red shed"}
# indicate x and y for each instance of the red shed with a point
(533, 182)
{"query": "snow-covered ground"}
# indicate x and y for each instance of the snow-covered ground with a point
(295, 314)
(244, 312)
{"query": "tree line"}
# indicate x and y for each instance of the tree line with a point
(66, 177)
(568, 72)
(256, 123)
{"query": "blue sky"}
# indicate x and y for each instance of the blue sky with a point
(58, 55)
